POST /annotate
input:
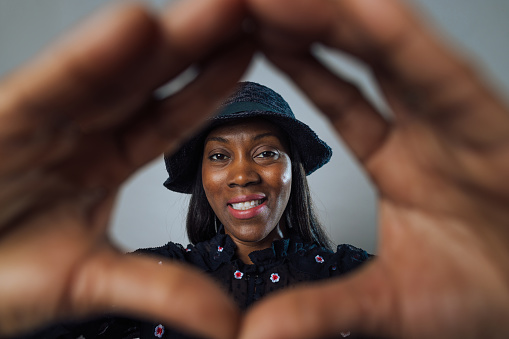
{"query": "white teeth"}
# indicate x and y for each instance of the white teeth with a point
(242, 206)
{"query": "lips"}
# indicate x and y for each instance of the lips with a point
(242, 206)
(247, 206)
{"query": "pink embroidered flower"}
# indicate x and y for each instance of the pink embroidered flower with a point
(319, 259)
(220, 249)
(159, 331)
(188, 250)
(274, 277)
(238, 274)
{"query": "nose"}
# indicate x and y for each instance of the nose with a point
(243, 172)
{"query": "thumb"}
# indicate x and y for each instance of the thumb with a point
(356, 304)
(147, 288)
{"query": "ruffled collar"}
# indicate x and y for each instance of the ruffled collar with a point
(221, 249)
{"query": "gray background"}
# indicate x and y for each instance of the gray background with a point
(148, 215)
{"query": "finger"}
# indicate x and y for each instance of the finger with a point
(138, 286)
(122, 57)
(195, 28)
(118, 154)
(353, 117)
(428, 77)
(160, 125)
(71, 80)
(179, 115)
(324, 310)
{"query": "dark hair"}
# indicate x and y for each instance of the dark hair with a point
(299, 213)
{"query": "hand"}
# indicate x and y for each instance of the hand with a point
(440, 166)
(74, 124)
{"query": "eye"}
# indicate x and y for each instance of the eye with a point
(267, 154)
(218, 157)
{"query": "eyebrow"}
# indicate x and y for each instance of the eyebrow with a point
(264, 135)
(219, 139)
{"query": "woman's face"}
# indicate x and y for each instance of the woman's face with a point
(247, 177)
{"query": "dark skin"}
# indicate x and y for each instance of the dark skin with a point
(438, 166)
(248, 160)
(441, 269)
(80, 110)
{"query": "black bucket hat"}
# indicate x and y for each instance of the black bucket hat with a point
(249, 100)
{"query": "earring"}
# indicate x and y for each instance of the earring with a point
(288, 222)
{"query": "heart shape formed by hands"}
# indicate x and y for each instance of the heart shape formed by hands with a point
(77, 121)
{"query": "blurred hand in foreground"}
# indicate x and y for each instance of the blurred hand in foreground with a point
(440, 166)
(74, 124)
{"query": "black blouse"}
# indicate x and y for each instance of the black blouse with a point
(287, 263)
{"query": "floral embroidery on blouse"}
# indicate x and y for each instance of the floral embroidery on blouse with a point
(220, 248)
(319, 259)
(274, 277)
(188, 250)
(159, 331)
(238, 274)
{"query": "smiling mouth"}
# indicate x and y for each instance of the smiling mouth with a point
(242, 206)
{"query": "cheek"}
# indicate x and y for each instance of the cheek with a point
(287, 181)
(286, 177)
(212, 182)
(282, 181)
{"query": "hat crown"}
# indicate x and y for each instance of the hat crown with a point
(250, 96)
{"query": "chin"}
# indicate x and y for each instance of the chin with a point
(247, 234)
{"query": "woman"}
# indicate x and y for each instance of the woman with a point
(250, 219)
(80, 119)
(247, 176)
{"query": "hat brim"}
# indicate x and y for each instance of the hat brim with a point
(182, 166)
